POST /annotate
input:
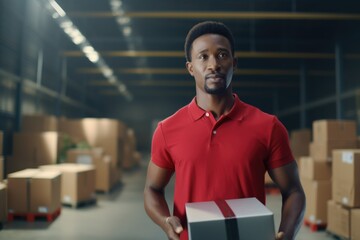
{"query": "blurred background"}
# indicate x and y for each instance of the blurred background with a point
(122, 61)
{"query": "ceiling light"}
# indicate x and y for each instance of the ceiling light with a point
(88, 49)
(57, 8)
(112, 79)
(78, 39)
(107, 72)
(68, 30)
(74, 33)
(122, 88)
(66, 24)
(115, 4)
(127, 31)
(55, 15)
(123, 20)
(93, 57)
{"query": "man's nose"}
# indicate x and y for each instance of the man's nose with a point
(213, 64)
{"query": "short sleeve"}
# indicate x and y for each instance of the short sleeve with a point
(279, 148)
(159, 154)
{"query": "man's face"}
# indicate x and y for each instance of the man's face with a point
(212, 64)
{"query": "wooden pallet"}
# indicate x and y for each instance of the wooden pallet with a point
(314, 227)
(31, 217)
(80, 204)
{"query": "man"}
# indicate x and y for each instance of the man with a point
(219, 146)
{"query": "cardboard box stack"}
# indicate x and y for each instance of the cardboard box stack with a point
(3, 203)
(132, 158)
(344, 208)
(316, 181)
(77, 182)
(315, 170)
(1, 168)
(106, 176)
(38, 143)
(31, 150)
(34, 191)
(39, 123)
(299, 142)
(1, 142)
(102, 133)
(1, 158)
(108, 134)
(332, 134)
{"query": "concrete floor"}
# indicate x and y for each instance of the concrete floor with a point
(119, 215)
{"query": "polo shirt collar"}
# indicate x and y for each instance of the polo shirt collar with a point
(236, 112)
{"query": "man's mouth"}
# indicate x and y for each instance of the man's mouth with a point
(215, 77)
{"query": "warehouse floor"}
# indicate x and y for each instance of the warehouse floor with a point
(119, 215)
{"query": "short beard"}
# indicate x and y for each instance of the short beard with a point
(215, 91)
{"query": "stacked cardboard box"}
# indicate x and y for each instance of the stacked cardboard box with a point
(77, 182)
(18, 190)
(315, 170)
(299, 142)
(344, 208)
(104, 133)
(132, 158)
(106, 175)
(332, 134)
(3, 203)
(1, 158)
(33, 191)
(1, 168)
(1, 142)
(31, 150)
(316, 181)
(39, 123)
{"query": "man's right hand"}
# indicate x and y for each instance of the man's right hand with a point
(174, 227)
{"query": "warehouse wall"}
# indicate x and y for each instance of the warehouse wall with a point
(31, 68)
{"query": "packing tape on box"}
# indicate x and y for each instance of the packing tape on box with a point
(232, 231)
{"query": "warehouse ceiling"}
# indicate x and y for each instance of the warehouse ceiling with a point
(142, 42)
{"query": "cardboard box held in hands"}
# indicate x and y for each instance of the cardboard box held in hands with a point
(230, 219)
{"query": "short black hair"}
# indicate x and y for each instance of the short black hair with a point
(207, 27)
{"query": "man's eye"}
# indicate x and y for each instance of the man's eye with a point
(202, 57)
(222, 54)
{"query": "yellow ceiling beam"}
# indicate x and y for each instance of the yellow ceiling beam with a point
(179, 93)
(190, 83)
(238, 54)
(183, 71)
(103, 83)
(152, 93)
(221, 15)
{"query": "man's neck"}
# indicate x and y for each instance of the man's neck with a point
(218, 105)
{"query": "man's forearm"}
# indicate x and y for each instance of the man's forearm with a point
(156, 206)
(292, 214)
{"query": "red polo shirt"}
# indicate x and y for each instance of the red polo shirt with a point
(223, 159)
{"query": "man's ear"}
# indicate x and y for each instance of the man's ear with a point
(189, 67)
